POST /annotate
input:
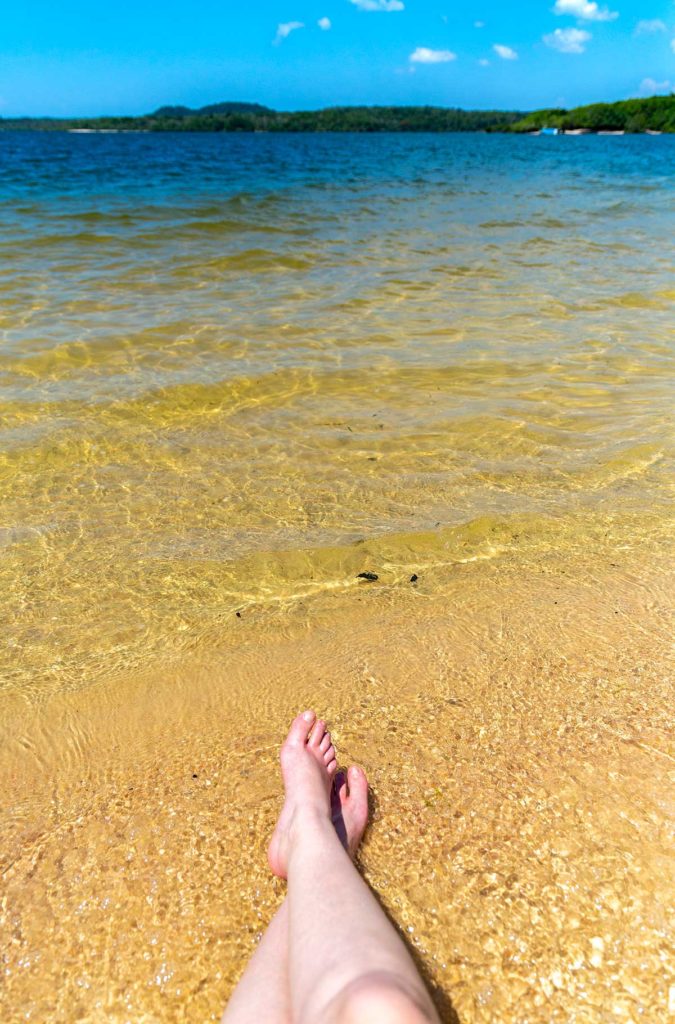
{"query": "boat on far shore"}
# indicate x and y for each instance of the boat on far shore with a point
(589, 131)
(107, 131)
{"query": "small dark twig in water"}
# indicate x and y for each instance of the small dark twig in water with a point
(372, 576)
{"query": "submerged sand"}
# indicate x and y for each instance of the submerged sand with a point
(515, 731)
(235, 373)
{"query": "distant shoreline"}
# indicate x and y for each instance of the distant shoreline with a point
(653, 115)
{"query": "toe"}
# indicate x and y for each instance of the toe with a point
(358, 784)
(332, 767)
(299, 730)
(329, 755)
(317, 733)
(325, 743)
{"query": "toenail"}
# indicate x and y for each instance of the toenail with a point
(308, 715)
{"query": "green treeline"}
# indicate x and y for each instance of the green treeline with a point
(639, 115)
(654, 114)
(231, 117)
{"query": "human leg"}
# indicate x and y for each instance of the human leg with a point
(262, 995)
(347, 965)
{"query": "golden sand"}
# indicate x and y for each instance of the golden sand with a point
(514, 730)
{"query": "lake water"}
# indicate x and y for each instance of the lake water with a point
(236, 371)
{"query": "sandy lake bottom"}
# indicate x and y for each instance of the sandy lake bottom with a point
(235, 373)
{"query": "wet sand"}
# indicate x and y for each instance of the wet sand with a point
(515, 732)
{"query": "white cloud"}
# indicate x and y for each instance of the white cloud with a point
(586, 10)
(650, 87)
(505, 52)
(479, 24)
(423, 55)
(484, 62)
(378, 5)
(567, 40)
(284, 30)
(649, 25)
(324, 23)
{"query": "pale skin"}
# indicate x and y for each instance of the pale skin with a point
(330, 954)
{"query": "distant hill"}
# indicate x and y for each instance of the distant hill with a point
(213, 108)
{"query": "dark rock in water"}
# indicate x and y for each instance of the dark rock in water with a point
(238, 614)
(414, 578)
(372, 576)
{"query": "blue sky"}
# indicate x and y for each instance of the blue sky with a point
(74, 57)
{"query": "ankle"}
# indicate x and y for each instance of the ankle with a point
(307, 823)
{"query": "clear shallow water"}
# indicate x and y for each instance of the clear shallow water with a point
(220, 351)
(237, 371)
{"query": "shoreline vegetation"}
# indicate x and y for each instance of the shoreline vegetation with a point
(654, 115)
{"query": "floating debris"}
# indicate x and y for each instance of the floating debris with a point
(372, 576)
(414, 578)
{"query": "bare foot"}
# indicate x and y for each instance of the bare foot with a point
(308, 767)
(349, 807)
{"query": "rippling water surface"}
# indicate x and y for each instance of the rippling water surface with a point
(235, 372)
